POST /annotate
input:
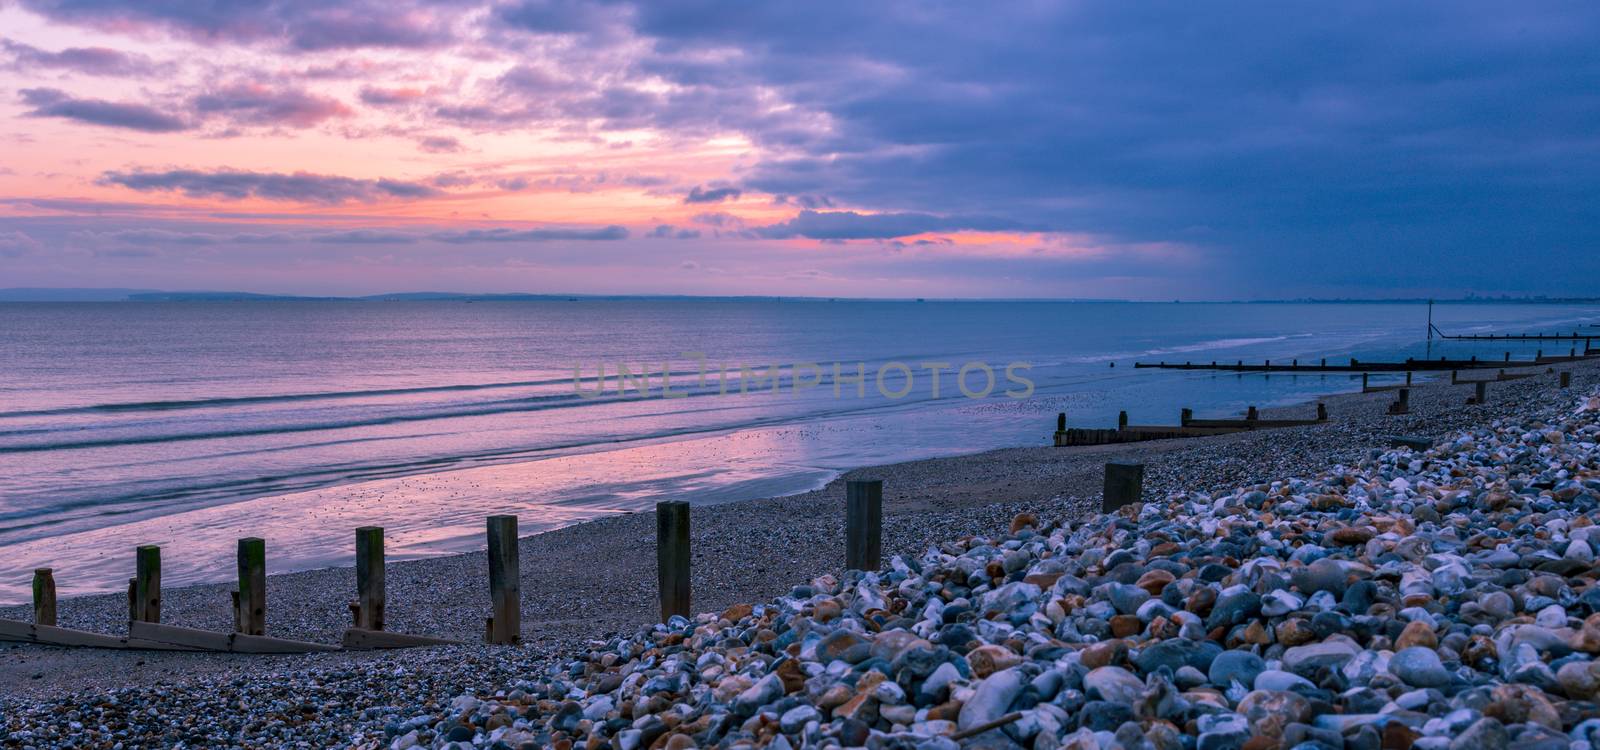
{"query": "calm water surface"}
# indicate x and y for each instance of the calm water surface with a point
(190, 424)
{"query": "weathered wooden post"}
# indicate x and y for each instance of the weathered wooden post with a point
(1403, 404)
(44, 597)
(133, 599)
(369, 578)
(863, 524)
(1251, 414)
(147, 584)
(1408, 377)
(1566, 378)
(1122, 420)
(672, 557)
(1061, 422)
(1508, 356)
(1322, 412)
(1124, 486)
(1364, 382)
(1480, 393)
(505, 582)
(1184, 416)
(251, 607)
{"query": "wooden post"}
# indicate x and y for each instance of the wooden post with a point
(1122, 420)
(147, 586)
(1481, 393)
(1566, 378)
(1322, 412)
(863, 524)
(369, 578)
(1061, 421)
(1184, 416)
(1124, 486)
(1405, 399)
(1251, 414)
(133, 599)
(251, 608)
(44, 597)
(1508, 356)
(1408, 377)
(1363, 382)
(672, 557)
(505, 582)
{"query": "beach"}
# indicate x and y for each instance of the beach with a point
(595, 579)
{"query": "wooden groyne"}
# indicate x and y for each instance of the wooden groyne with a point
(1441, 364)
(1187, 427)
(863, 545)
(1587, 338)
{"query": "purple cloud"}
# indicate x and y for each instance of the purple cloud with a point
(260, 105)
(91, 60)
(439, 144)
(849, 225)
(59, 104)
(612, 232)
(309, 25)
(300, 186)
(669, 232)
(698, 194)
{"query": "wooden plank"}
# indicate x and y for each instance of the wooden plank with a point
(46, 635)
(863, 524)
(252, 604)
(361, 639)
(505, 582)
(44, 597)
(672, 557)
(208, 640)
(147, 584)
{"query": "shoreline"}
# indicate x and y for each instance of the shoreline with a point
(597, 577)
(340, 508)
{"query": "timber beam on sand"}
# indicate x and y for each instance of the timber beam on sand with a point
(17, 631)
(1410, 365)
(209, 640)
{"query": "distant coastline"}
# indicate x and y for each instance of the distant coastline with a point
(44, 294)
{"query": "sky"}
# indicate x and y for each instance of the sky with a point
(1146, 150)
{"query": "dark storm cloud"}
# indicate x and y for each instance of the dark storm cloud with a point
(300, 186)
(44, 102)
(1290, 138)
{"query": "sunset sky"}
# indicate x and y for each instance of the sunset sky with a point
(1031, 149)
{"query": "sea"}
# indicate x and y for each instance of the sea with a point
(191, 424)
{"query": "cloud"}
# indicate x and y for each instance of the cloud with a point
(91, 60)
(379, 96)
(16, 244)
(849, 225)
(612, 232)
(669, 232)
(300, 187)
(306, 25)
(46, 102)
(439, 144)
(255, 104)
(171, 237)
(698, 194)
